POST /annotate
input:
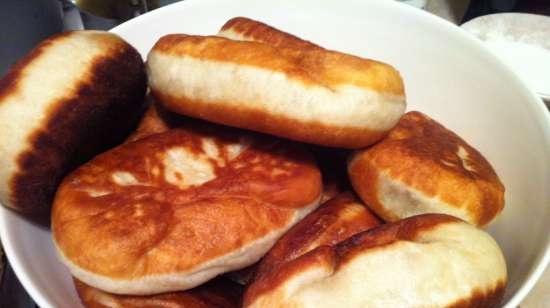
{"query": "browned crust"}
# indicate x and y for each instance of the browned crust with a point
(333, 222)
(157, 119)
(323, 256)
(106, 105)
(480, 299)
(332, 257)
(421, 153)
(261, 32)
(243, 203)
(258, 120)
(403, 230)
(311, 66)
(217, 293)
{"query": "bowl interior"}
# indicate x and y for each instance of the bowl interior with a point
(447, 74)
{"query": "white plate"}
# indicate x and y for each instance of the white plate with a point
(520, 40)
(448, 75)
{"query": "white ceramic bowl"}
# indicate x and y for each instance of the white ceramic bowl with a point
(447, 74)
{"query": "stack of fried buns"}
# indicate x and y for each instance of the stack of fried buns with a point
(260, 170)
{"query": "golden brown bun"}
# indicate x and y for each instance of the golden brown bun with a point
(217, 293)
(333, 222)
(307, 94)
(422, 167)
(430, 260)
(73, 96)
(173, 210)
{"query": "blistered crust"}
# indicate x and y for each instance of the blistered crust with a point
(75, 95)
(174, 209)
(422, 167)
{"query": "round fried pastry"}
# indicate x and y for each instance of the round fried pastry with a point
(422, 167)
(175, 209)
(310, 95)
(430, 260)
(73, 96)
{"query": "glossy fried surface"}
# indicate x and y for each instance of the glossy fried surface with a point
(422, 167)
(173, 209)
